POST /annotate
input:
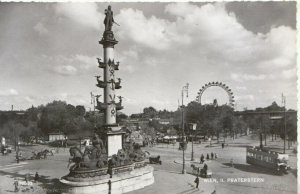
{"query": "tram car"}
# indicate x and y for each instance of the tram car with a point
(269, 159)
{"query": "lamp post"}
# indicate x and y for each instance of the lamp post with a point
(184, 89)
(93, 101)
(94, 106)
(284, 103)
(193, 127)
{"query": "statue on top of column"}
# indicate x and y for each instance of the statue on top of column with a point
(109, 19)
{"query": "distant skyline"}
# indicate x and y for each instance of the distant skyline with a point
(48, 52)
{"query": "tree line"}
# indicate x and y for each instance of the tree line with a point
(212, 120)
(57, 116)
(222, 120)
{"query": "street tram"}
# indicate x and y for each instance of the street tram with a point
(269, 159)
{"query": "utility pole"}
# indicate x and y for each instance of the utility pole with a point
(93, 103)
(184, 89)
(265, 134)
(261, 131)
(284, 104)
(192, 127)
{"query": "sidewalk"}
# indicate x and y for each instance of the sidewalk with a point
(175, 183)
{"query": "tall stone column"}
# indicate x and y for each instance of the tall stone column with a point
(108, 43)
(109, 84)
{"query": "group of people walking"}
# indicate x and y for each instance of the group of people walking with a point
(211, 156)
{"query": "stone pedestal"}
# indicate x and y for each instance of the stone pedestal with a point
(119, 183)
(114, 142)
(113, 136)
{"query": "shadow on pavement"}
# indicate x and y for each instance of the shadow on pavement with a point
(294, 172)
(251, 168)
(174, 172)
(51, 186)
(10, 191)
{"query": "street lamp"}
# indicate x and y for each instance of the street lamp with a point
(193, 128)
(284, 104)
(184, 89)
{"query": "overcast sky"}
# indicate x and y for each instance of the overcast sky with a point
(48, 52)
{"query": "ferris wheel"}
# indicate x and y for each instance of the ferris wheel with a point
(220, 85)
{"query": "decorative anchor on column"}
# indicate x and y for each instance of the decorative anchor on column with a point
(111, 65)
(113, 110)
(112, 81)
(112, 98)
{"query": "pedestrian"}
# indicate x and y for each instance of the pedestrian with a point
(36, 177)
(201, 159)
(27, 178)
(197, 181)
(207, 157)
(231, 162)
(16, 183)
(17, 157)
(216, 156)
(212, 155)
(222, 145)
(205, 167)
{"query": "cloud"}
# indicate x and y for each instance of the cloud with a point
(245, 97)
(74, 99)
(74, 64)
(274, 52)
(180, 9)
(129, 68)
(207, 43)
(160, 103)
(64, 95)
(40, 28)
(29, 99)
(247, 77)
(86, 62)
(130, 100)
(151, 32)
(65, 70)
(132, 54)
(240, 88)
(159, 51)
(9, 92)
(289, 73)
(85, 14)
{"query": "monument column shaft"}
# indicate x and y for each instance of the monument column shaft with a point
(109, 90)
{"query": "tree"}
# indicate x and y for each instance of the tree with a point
(291, 128)
(211, 120)
(63, 117)
(121, 116)
(239, 125)
(149, 112)
(136, 116)
(80, 110)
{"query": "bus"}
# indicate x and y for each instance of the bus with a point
(269, 159)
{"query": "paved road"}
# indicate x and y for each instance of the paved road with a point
(223, 174)
(168, 177)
